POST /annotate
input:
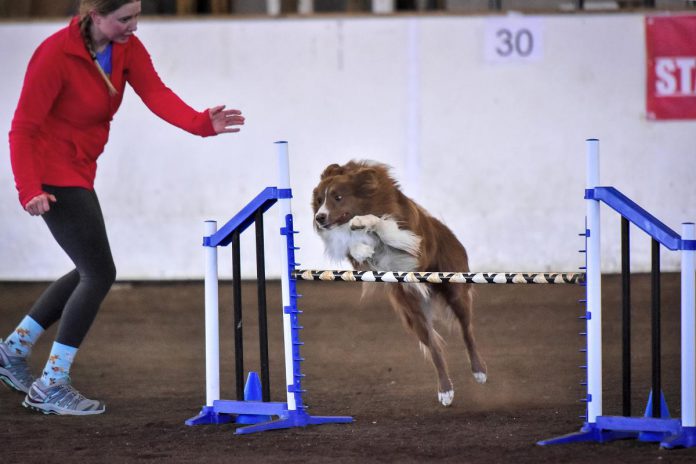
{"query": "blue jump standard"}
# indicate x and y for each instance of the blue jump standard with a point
(667, 431)
(258, 415)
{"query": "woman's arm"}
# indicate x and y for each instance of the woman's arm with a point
(162, 101)
(42, 84)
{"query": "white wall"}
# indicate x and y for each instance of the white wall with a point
(497, 151)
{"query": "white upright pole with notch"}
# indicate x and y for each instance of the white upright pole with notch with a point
(594, 289)
(212, 330)
(285, 210)
(688, 325)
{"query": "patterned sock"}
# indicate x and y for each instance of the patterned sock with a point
(57, 370)
(23, 338)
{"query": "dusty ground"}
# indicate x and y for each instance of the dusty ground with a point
(145, 358)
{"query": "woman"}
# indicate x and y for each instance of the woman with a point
(73, 86)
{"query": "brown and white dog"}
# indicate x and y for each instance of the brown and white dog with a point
(362, 215)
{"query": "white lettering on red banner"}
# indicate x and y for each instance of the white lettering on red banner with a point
(671, 67)
(675, 76)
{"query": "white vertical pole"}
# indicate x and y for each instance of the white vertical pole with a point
(413, 98)
(305, 6)
(382, 6)
(594, 289)
(285, 210)
(688, 324)
(273, 7)
(212, 331)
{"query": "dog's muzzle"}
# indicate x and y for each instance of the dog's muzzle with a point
(321, 220)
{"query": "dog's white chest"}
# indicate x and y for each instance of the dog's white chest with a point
(342, 242)
(375, 242)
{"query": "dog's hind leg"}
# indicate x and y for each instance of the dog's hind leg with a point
(460, 300)
(412, 307)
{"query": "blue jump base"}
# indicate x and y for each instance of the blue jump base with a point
(209, 415)
(258, 416)
(668, 432)
(664, 430)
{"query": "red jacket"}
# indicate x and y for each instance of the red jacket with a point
(64, 112)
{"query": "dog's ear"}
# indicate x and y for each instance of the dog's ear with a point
(314, 197)
(331, 170)
(368, 180)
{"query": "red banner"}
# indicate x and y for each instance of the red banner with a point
(671, 67)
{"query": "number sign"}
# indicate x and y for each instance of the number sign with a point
(513, 40)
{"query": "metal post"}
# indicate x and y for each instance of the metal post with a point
(238, 329)
(261, 296)
(688, 323)
(594, 290)
(655, 316)
(212, 329)
(626, 314)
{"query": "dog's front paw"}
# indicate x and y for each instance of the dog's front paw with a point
(480, 377)
(445, 398)
(367, 222)
(361, 252)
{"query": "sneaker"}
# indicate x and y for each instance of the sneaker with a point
(60, 399)
(14, 370)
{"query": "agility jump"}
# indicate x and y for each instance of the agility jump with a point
(250, 409)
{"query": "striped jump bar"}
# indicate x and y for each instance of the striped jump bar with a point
(442, 277)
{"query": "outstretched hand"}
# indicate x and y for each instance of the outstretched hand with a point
(223, 119)
(40, 204)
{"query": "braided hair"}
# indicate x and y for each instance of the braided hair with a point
(101, 7)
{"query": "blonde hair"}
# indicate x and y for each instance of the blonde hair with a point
(101, 7)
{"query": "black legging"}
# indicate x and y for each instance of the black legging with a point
(77, 224)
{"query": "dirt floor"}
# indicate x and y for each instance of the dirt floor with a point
(145, 358)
